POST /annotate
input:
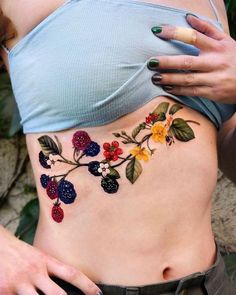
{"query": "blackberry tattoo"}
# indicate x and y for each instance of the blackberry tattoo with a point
(160, 126)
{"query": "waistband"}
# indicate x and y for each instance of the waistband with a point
(210, 281)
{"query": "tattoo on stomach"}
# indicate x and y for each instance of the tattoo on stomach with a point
(159, 126)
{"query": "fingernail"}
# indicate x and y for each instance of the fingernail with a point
(191, 15)
(156, 78)
(156, 30)
(99, 293)
(168, 87)
(153, 64)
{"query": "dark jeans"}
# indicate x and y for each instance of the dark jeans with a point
(214, 281)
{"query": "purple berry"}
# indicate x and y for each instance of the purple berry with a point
(66, 192)
(52, 189)
(44, 179)
(81, 140)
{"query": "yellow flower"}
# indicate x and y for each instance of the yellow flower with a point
(159, 132)
(140, 153)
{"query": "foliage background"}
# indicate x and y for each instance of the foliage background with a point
(9, 127)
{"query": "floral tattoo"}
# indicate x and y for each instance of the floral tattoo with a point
(159, 127)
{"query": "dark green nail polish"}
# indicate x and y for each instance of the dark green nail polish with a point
(168, 87)
(156, 30)
(153, 64)
(191, 15)
(156, 79)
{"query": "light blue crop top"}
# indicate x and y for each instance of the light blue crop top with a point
(86, 65)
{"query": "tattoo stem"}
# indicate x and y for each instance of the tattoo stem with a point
(67, 161)
(125, 159)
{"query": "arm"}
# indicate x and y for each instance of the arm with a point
(227, 148)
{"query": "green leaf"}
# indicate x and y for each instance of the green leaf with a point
(48, 145)
(133, 170)
(181, 130)
(161, 108)
(136, 131)
(28, 221)
(114, 173)
(175, 108)
(161, 117)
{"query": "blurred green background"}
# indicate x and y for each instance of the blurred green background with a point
(9, 126)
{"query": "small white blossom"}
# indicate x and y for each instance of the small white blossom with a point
(51, 160)
(104, 169)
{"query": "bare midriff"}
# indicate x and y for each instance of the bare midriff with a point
(153, 230)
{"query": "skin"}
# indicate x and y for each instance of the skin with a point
(167, 226)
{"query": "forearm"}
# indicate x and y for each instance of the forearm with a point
(227, 154)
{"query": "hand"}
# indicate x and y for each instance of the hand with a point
(213, 72)
(24, 269)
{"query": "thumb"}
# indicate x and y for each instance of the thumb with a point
(204, 27)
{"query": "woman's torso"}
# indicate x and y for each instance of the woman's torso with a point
(155, 229)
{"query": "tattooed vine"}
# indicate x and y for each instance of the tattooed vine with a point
(161, 128)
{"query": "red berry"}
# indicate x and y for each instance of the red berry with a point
(148, 120)
(115, 143)
(115, 158)
(52, 189)
(119, 151)
(106, 154)
(57, 213)
(112, 153)
(154, 117)
(106, 146)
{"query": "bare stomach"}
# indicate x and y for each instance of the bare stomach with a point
(133, 216)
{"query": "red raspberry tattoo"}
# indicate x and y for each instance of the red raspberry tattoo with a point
(57, 213)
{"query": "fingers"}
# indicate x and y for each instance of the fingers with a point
(204, 91)
(183, 79)
(47, 286)
(26, 289)
(181, 62)
(205, 27)
(72, 276)
(187, 35)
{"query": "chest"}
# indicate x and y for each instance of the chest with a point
(26, 14)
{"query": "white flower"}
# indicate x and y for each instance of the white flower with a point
(103, 168)
(51, 160)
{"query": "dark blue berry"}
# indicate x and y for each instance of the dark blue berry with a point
(93, 168)
(43, 160)
(110, 185)
(92, 150)
(66, 192)
(44, 179)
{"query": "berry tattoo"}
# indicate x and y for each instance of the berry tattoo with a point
(159, 126)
